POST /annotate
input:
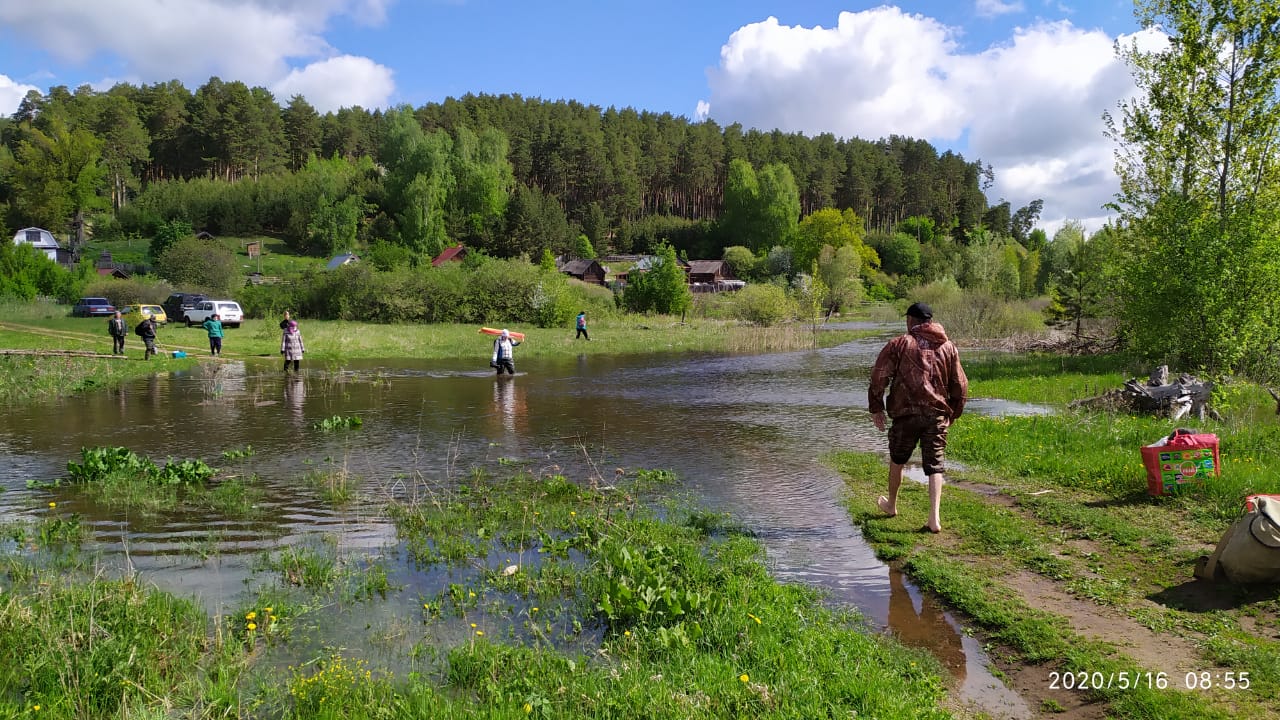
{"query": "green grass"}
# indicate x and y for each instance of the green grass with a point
(100, 648)
(41, 326)
(570, 603)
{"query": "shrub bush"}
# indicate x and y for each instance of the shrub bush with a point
(129, 292)
(763, 304)
(979, 314)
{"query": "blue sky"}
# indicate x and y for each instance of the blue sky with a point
(1020, 84)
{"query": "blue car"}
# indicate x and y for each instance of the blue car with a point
(92, 307)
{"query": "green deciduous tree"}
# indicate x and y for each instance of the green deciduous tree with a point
(418, 182)
(57, 177)
(825, 227)
(840, 268)
(741, 261)
(662, 289)
(762, 209)
(1199, 183)
(483, 180)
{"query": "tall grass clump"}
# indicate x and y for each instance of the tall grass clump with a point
(97, 649)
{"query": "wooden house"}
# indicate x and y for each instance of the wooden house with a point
(585, 270)
(709, 271)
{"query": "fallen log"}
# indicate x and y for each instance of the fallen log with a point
(62, 353)
(1186, 396)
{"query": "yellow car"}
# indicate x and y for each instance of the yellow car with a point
(134, 314)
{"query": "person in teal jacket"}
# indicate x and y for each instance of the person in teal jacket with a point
(213, 326)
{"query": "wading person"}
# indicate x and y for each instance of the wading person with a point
(213, 326)
(117, 330)
(502, 358)
(927, 391)
(147, 331)
(291, 346)
(582, 326)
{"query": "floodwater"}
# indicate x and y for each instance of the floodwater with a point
(745, 434)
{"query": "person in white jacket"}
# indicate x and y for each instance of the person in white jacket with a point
(502, 359)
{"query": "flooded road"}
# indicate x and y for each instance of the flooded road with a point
(746, 434)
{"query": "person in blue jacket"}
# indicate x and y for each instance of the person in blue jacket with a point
(582, 326)
(213, 326)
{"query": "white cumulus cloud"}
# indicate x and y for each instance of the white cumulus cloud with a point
(1030, 106)
(259, 42)
(11, 94)
(341, 81)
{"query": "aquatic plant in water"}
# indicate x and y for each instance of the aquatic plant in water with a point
(338, 422)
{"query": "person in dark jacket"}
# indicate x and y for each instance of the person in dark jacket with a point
(502, 359)
(284, 324)
(147, 331)
(117, 330)
(927, 392)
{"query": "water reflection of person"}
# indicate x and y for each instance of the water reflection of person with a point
(927, 627)
(295, 396)
(508, 398)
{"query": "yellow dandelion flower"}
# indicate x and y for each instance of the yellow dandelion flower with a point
(426, 606)
(252, 626)
(473, 624)
(480, 633)
(53, 504)
(753, 617)
(535, 609)
(528, 708)
(626, 633)
(36, 708)
(572, 513)
(250, 615)
(744, 677)
(471, 594)
(266, 610)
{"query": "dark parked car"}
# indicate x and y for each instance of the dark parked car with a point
(92, 307)
(177, 305)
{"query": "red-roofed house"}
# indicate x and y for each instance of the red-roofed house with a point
(457, 252)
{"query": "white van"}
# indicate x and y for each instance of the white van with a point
(228, 311)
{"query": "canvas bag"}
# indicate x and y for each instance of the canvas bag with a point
(1249, 551)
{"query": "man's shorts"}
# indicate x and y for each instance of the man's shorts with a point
(930, 432)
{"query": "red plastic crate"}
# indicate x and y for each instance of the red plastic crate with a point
(1187, 458)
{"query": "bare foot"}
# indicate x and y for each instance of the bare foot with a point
(882, 502)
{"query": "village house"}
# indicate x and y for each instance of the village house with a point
(45, 242)
(589, 271)
(106, 267)
(339, 260)
(457, 252)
